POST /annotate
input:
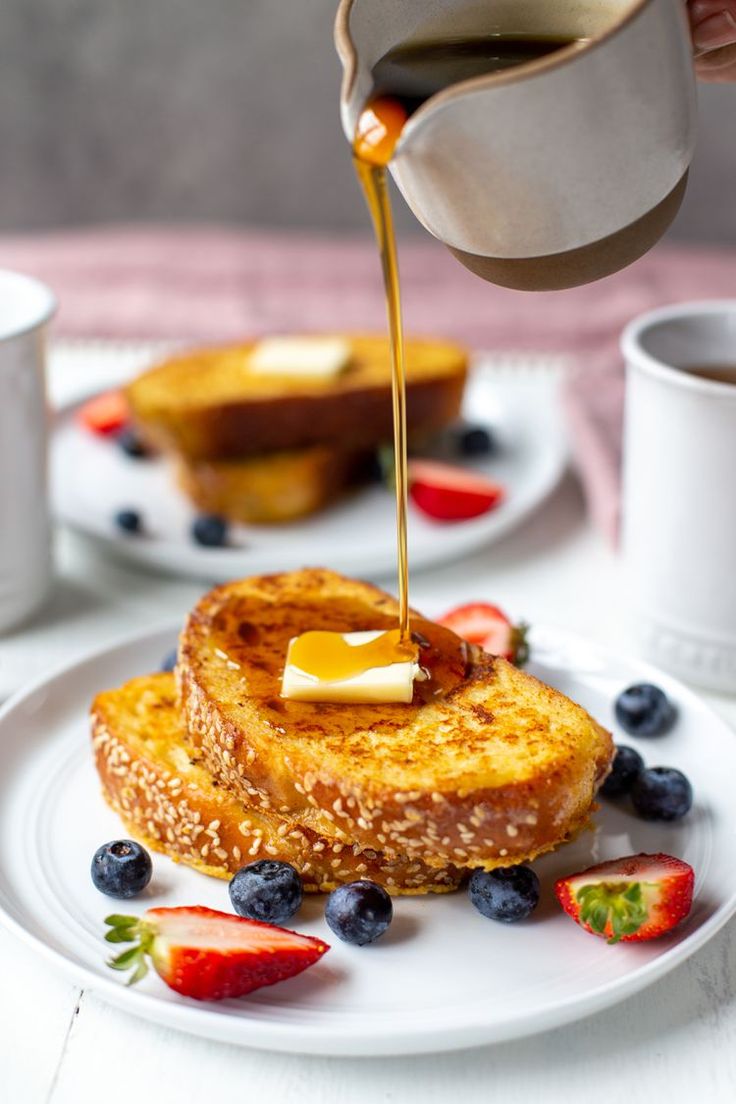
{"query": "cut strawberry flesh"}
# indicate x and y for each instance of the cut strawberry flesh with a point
(446, 493)
(106, 413)
(210, 955)
(629, 900)
(208, 930)
(451, 478)
(482, 624)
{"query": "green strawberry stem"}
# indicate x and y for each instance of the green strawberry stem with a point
(130, 929)
(520, 644)
(622, 904)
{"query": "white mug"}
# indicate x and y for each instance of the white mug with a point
(679, 509)
(26, 307)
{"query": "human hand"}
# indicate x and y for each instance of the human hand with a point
(713, 25)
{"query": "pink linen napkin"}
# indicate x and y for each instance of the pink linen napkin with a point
(219, 283)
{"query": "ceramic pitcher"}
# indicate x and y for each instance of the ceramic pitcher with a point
(552, 174)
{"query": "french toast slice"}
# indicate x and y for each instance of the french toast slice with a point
(486, 767)
(153, 777)
(208, 405)
(271, 488)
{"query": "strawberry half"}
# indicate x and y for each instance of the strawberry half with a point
(210, 955)
(105, 414)
(448, 493)
(629, 900)
(488, 626)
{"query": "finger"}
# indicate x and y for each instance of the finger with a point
(715, 29)
(717, 66)
(699, 10)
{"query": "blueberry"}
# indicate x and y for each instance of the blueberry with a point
(662, 793)
(508, 894)
(627, 765)
(359, 912)
(168, 663)
(266, 890)
(121, 868)
(475, 441)
(129, 521)
(132, 445)
(380, 468)
(209, 530)
(645, 710)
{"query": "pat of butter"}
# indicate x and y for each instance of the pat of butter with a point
(394, 683)
(300, 357)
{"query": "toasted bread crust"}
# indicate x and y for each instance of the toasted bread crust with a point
(496, 771)
(154, 779)
(271, 488)
(204, 406)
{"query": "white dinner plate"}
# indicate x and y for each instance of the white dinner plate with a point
(92, 479)
(443, 977)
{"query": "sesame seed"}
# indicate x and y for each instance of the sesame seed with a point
(512, 830)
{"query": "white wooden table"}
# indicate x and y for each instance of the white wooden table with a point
(676, 1042)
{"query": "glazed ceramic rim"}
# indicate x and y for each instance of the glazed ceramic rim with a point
(42, 304)
(641, 360)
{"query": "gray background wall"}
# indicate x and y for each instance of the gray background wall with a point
(220, 110)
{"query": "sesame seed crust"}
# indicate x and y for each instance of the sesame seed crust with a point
(140, 748)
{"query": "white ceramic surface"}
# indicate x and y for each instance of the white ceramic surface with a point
(91, 479)
(679, 532)
(25, 536)
(444, 977)
(529, 163)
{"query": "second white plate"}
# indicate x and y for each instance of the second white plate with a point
(92, 479)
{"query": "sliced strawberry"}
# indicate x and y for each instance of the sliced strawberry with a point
(629, 900)
(106, 413)
(447, 493)
(488, 626)
(210, 955)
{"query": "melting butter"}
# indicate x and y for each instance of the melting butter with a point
(322, 358)
(373, 666)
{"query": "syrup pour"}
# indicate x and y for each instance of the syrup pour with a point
(378, 130)
(325, 655)
(403, 79)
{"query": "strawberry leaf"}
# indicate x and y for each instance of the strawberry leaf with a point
(118, 921)
(120, 935)
(520, 644)
(140, 971)
(622, 906)
(127, 959)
